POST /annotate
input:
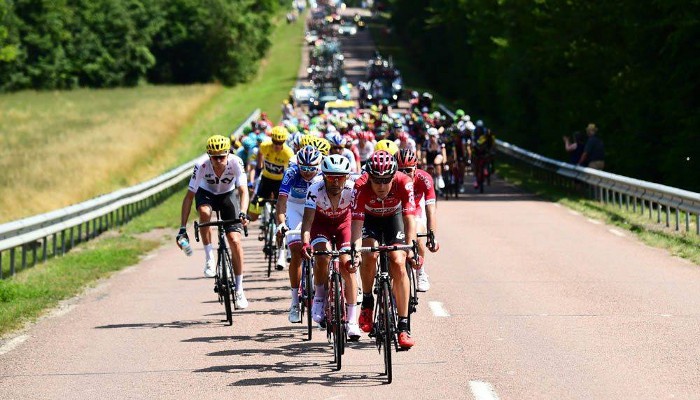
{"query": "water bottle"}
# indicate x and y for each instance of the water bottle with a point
(185, 244)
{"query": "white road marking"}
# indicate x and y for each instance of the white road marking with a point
(616, 232)
(438, 309)
(13, 343)
(483, 390)
(572, 212)
(557, 205)
(594, 221)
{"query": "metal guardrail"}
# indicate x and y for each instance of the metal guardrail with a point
(641, 196)
(37, 238)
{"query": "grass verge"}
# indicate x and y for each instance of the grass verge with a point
(28, 294)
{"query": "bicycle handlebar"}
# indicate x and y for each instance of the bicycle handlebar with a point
(332, 252)
(430, 238)
(218, 223)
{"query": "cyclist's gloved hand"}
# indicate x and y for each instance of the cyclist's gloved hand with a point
(307, 251)
(434, 246)
(182, 233)
(244, 218)
(282, 228)
(416, 264)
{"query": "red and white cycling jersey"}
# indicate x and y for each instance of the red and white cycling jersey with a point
(204, 176)
(399, 199)
(423, 187)
(317, 198)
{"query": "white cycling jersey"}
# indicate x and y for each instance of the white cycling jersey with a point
(366, 150)
(204, 177)
(317, 198)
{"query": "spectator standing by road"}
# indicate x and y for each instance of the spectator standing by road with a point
(574, 146)
(594, 151)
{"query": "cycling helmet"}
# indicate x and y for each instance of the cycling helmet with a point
(335, 164)
(387, 145)
(306, 140)
(459, 113)
(309, 155)
(433, 132)
(247, 129)
(479, 124)
(406, 158)
(336, 140)
(218, 144)
(279, 134)
(381, 164)
(322, 145)
(402, 136)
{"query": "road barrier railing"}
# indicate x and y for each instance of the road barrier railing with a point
(663, 202)
(25, 242)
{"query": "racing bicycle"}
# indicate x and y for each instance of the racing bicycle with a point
(224, 282)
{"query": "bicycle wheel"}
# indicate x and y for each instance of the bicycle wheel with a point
(308, 297)
(269, 244)
(224, 287)
(337, 325)
(412, 291)
(388, 333)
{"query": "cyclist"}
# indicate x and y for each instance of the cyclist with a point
(365, 146)
(383, 208)
(386, 145)
(327, 217)
(219, 184)
(338, 147)
(433, 154)
(405, 141)
(426, 221)
(274, 157)
(290, 208)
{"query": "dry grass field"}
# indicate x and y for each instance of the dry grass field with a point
(60, 148)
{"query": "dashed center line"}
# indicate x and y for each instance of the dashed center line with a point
(483, 390)
(438, 309)
(593, 221)
(572, 212)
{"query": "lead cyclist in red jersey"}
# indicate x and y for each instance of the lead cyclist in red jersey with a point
(384, 207)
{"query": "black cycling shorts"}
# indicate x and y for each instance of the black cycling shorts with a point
(267, 188)
(226, 203)
(391, 227)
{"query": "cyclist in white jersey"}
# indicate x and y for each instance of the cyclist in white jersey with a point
(327, 218)
(219, 183)
(289, 210)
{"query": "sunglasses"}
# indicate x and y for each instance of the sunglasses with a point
(308, 168)
(219, 158)
(337, 148)
(276, 143)
(407, 170)
(381, 181)
(336, 178)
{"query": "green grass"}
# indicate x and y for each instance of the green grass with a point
(27, 295)
(682, 244)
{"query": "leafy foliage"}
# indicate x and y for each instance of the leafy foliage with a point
(540, 69)
(65, 44)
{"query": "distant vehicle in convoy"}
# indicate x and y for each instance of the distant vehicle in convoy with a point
(347, 29)
(378, 89)
(325, 95)
(302, 93)
(341, 106)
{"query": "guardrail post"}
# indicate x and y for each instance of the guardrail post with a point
(678, 216)
(63, 242)
(24, 256)
(34, 246)
(12, 261)
(0, 264)
(668, 212)
(45, 247)
(697, 223)
(658, 213)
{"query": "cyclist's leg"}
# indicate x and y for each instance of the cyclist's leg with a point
(204, 201)
(320, 278)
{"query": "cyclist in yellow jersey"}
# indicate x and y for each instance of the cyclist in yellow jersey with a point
(274, 157)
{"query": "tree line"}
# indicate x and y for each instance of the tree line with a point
(537, 70)
(64, 44)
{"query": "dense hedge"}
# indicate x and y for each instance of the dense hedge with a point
(540, 69)
(60, 44)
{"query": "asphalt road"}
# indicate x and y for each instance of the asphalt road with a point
(529, 301)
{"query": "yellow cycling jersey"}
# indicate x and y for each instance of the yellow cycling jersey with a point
(275, 162)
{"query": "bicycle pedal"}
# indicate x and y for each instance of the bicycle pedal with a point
(216, 289)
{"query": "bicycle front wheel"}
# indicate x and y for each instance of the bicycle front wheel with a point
(387, 331)
(307, 297)
(225, 287)
(337, 322)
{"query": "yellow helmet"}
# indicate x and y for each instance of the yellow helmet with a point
(279, 134)
(387, 145)
(218, 144)
(323, 145)
(307, 140)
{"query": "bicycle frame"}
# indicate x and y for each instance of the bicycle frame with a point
(224, 283)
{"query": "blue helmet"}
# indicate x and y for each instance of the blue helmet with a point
(309, 155)
(336, 139)
(335, 164)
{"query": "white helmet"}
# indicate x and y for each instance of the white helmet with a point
(432, 132)
(335, 164)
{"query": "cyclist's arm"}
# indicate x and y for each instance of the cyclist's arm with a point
(186, 207)
(430, 211)
(306, 222)
(356, 232)
(281, 209)
(243, 196)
